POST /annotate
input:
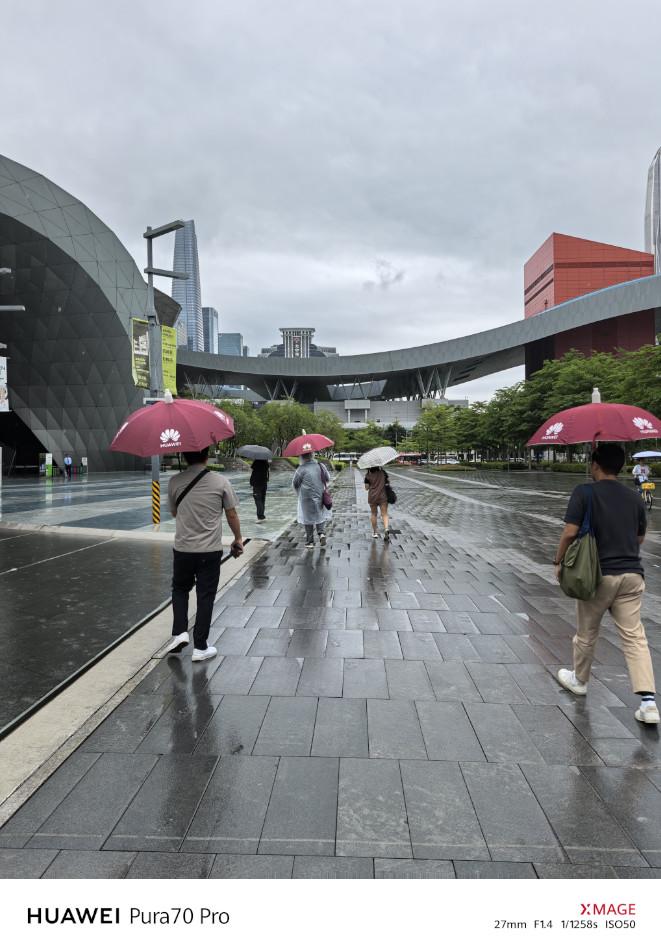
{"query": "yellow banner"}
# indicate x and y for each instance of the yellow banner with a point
(169, 352)
(140, 346)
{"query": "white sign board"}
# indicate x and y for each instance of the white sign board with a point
(49, 458)
(4, 389)
(84, 461)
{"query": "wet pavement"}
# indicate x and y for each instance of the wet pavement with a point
(67, 597)
(374, 710)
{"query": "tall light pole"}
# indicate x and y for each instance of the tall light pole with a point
(155, 354)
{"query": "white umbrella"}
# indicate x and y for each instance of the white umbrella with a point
(380, 456)
(648, 454)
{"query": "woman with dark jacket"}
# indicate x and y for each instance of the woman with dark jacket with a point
(376, 480)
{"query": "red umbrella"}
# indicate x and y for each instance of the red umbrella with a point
(172, 426)
(605, 421)
(305, 443)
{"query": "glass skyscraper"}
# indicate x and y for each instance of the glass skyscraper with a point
(652, 211)
(231, 345)
(188, 293)
(210, 326)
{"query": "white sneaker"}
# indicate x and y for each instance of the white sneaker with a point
(178, 643)
(375, 535)
(205, 654)
(310, 545)
(259, 521)
(322, 539)
(648, 715)
(568, 680)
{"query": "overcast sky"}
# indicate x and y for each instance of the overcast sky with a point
(378, 170)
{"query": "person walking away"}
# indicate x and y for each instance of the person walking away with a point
(197, 498)
(68, 465)
(259, 477)
(620, 521)
(309, 484)
(641, 473)
(376, 480)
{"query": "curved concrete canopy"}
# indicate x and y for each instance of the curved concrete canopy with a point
(69, 369)
(418, 372)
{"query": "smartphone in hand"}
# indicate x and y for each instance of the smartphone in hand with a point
(235, 550)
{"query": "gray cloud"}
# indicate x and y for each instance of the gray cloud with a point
(309, 141)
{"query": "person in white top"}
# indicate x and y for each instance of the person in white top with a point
(641, 473)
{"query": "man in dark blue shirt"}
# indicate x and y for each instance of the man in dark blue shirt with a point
(620, 522)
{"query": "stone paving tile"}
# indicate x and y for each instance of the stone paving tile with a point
(428, 622)
(19, 863)
(170, 865)
(230, 815)
(277, 677)
(341, 728)
(307, 644)
(407, 679)
(302, 812)
(287, 728)
(495, 683)
(87, 815)
(90, 865)
(394, 730)
(381, 644)
(235, 642)
(323, 867)
(441, 817)
(554, 736)
(538, 684)
(412, 869)
(345, 644)
(635, 802)
(179, 728)
(321, 677)
(128, 725)
(457, 622)
(637, 872)
(583, 824)
(447, 732)
(492, 649)
(494, 870)
(371, 814)
(234, 726)
(252, 866)
(365, 678)
(161, 811)
(512, 821)
(271, 643)
(235, 675)
(575, 871)
(416, 645)
(24, 823)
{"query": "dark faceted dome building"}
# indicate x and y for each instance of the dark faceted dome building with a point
(69, 366)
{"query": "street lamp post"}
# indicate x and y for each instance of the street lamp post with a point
(155, 355)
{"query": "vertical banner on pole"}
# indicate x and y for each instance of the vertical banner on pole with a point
(4, 389)
(140, 346)
(169, 358)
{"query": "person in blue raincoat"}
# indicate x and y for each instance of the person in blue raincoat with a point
(309, 485)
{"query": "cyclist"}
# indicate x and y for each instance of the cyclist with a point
(641, 473)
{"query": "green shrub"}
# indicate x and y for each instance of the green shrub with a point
(500, 465)
(215, 467)
(338, 466)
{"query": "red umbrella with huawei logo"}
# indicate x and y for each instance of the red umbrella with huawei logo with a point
(611, 422)
(170, 426)
(311, 442)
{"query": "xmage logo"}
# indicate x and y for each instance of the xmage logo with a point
(644, 425)
(553, 430)
(592, 908)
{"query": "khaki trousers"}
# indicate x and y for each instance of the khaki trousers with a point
(621, 595)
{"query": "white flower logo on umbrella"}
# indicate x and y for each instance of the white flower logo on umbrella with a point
(307, 447)
(553, 430)
(220, 415)
(170, 435)
(643, 424)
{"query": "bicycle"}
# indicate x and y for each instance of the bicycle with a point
(647, 488)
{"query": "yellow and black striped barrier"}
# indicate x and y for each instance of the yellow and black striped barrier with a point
(156, 503)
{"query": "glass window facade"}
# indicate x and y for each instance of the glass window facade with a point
(210, 328)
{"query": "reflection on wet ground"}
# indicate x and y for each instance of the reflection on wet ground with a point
(374, 710)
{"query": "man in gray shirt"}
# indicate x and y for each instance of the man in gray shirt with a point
(197, 498)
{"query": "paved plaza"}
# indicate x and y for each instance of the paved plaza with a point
(375, 710)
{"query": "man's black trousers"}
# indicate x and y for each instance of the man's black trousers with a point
(201, 569)
(259, 495)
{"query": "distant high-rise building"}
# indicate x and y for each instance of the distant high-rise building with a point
(230, 345)
(653, 211)
(188, 293)
(246, 351)
(210, 327)
(297, 342)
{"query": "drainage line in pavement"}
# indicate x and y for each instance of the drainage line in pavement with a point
(42, 701)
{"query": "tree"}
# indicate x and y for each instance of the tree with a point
(394, 433)
(367, 437)
(283, 420)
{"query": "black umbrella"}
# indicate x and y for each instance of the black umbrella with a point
(255, 452)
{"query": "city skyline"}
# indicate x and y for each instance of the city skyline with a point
(188, 292)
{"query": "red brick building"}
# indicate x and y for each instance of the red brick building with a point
(564, 268)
